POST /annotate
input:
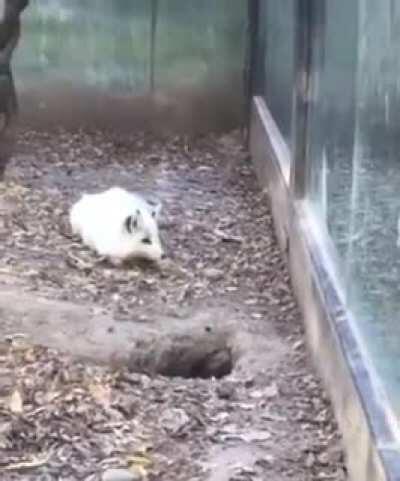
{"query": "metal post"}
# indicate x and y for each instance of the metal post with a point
(251, 61)
(301, 94)
(154, 21)
(10, 27)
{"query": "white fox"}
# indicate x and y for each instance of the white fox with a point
(118, 224)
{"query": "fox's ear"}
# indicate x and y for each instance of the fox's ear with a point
(155, 208)
(132, 222)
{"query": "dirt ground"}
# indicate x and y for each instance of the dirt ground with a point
(207, 375)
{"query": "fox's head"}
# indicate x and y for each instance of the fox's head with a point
(141, 230)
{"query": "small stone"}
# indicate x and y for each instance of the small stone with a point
(231, 289)
(246, 406)
(323, 458)
(121, 475)
(6, 382)
(267, 459)
(225, 390)
(173, 420)
(298, 345)
(256, 436)
(244, 470)
(268, 393)
(271, 391)
(250, 302)
(310, 460)
(213, 274)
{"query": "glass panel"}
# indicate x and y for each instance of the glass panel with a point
(95, 43)
(355, 166)
(200, 53)
(332, 114)
(199, 42)
(279, 17)
(94, 54)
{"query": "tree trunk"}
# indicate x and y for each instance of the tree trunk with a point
(10, 27)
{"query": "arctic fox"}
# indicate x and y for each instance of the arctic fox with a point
(118, 224)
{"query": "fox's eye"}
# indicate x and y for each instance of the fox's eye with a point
(146, 240)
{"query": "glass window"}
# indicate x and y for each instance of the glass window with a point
(105, 45)
(106, 57)
(354, 160)
(108, 44)
(279, 31)
(199, 42)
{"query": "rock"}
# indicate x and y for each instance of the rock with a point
(213, 274)
(225, 390)
(267, 459)
(173, 420)
(256, 436)
(6, 382)
(267, 393)
(310, 460)
(121, 475)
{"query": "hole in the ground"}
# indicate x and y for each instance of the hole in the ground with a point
(204, 356)
(214, 364)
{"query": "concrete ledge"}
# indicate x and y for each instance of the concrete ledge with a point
(364, 414)
(270, 174)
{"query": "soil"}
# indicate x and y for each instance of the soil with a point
(194, 369)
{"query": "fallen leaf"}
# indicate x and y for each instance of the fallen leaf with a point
(35, 462)
(267, 393)
(138, 470)
(225, 237)
(101, 394)
(256, 436)
(16, 403)
(51, 396)
(140, 460)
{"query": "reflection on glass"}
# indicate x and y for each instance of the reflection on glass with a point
(199, 41)
(279, 28)
(354, 179)
(107, 44)
(332, 116)
(103, 44)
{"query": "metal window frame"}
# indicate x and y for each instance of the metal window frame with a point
(251, 61)
(310, 30)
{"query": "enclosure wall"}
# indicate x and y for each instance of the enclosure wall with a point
(141, 62)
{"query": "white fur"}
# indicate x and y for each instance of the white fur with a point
(100, 220)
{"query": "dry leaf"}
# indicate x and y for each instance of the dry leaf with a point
(29, 355)
(226, 237)
(138, 469)
(101, 393)
(51, 396)
(16, 403)
(35, 462)
(139, 460)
